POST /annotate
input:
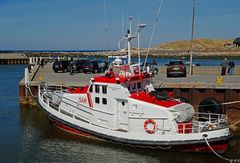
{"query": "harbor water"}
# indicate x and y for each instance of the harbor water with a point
(28, 136)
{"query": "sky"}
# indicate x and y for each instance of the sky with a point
(81, 24)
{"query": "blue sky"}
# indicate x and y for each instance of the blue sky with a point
(80, 24)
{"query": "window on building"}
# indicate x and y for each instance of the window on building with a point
(104, 101)
(97, 100)
(97, 89)
(104, 89)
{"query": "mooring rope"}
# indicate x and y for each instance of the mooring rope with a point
(226, 159)
(235, 124)
(224, 103)
(30, 91)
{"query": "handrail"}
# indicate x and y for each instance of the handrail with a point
(77, 104)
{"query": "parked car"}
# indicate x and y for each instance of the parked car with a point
(94, 67)
(61, 65)
(176, 68)
(77, 65)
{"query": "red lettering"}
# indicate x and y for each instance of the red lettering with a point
(83, 100)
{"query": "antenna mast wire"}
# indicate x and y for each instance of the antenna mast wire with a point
(106, 24)
(154, 28)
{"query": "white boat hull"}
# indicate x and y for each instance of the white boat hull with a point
(181, 142)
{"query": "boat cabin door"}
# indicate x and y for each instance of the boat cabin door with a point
(123, 114)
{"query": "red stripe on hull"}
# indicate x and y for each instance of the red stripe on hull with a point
(71, 130)
(220, 146)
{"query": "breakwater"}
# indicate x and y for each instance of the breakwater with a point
(29, 57)
(233, 53)
(13, 58)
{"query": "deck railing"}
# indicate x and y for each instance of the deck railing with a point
(204, 122)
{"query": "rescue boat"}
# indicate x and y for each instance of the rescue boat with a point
(121, 106)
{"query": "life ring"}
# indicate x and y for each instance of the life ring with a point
(152, 129)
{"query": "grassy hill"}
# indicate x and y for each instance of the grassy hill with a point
(198, 44)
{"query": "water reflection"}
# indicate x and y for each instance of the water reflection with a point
(42, 142)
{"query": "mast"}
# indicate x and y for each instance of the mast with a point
(139, 28)
(191, 53)
(129, 38)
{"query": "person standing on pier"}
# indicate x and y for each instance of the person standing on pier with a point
(231, 66)
(42, 62)
(224, 65)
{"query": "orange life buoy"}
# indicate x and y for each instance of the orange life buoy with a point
(153, 123)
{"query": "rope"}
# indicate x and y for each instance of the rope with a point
(31, 91)
(226, 159)
(224, 103)
(154, 28)
(235, 124)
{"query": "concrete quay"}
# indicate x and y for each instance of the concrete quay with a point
(222, 93)
(209, 78)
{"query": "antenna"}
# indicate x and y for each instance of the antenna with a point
(130, 37)
(122, 26)
(106, 24)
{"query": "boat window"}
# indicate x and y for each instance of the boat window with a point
(104, 89)
(128, 87)
(133, 86)
(148, 81)
(97, 89)
(90, 89)
(97, 100)
(134, 107)
(104, 101)
(139, 85)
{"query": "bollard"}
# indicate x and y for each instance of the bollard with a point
(219, 80)
(26, 81)
(26, 77)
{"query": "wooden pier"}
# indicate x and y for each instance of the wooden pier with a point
(206, 90)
